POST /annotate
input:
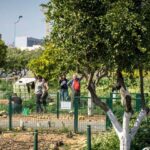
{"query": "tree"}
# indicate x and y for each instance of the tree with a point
(50, 63)
(3, 51)
(17, 60)
(102, 36)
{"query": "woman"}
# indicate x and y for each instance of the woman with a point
(45, 93)
(38, 93)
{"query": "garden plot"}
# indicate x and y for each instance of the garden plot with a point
(46, 141)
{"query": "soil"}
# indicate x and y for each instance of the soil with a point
(48, 140)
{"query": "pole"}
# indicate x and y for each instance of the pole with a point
(35, 139)
(58, 104)
(14, 34)
(138, 102)
(15, 29)
(10, 113)
(109, 103)
(75, 114)
(89, 137)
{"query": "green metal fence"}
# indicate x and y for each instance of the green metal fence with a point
(76, 118)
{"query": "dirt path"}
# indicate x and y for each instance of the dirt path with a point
(47, 141)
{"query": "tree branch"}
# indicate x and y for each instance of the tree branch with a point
(125, 95)
(114, 122)
(100, 74)
(138, 122)
(97, 101)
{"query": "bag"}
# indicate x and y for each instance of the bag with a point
(76, 85)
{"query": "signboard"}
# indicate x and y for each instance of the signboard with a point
(65, 105)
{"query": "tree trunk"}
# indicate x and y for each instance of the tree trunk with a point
(125, 138)
(125, 143)
(90, 105)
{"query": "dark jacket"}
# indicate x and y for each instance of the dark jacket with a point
(63, 84)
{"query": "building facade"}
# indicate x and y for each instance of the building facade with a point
(29, 43)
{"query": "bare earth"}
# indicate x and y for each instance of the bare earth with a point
(47, 141)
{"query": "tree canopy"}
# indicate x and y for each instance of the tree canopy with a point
(16, 60)
(104, 35)
(100, 33)
(3, 51)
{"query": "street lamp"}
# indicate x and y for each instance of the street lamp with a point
(15, 28)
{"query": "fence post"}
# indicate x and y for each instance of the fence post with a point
(35, 139)
(109, 103)
(58, 95)
(89, 137)
(10, 113)
(75, 114)
(138, 102)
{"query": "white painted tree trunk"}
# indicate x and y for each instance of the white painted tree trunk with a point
(125, 137)
(90, 105)
(125, 143)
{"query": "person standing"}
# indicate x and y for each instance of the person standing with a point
(45, 93)
(75, 86)
(63, 88)
(38, 94)
(17, 103)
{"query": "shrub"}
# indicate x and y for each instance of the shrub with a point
(29, 104)
(142, 138)
(109, 140)
(105, 141)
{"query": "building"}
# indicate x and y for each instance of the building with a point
(0, 36)
(29, 43)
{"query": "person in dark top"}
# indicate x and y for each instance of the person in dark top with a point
(17, 104)
(63, 88)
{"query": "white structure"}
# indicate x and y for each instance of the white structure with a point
(28, 43)
(23, 87)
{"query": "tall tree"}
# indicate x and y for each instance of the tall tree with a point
(102, 36)
(3, 51)
(17, 60)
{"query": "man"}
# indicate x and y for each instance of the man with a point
(63, 88)
(17, 104)
(75, 86)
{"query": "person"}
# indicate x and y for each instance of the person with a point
(63, 88)
(17, 103)
(75, 86)
(38, 94)
(45, 93)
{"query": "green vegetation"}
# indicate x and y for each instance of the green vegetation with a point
(3, 51)
(109, 140)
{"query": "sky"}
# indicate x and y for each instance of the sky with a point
(32, 24)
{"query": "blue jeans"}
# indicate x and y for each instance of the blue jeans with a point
(63, 94)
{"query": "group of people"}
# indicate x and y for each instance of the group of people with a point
(41, 92)
(74, 84)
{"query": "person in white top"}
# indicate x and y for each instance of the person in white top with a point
(38, 94)
(45, 93)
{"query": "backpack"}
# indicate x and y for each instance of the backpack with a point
(76, 85)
